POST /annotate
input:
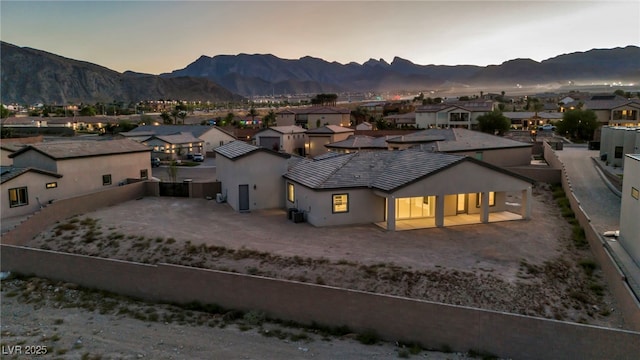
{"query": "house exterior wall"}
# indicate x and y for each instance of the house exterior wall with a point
(425, 120)
(288, 143)
(215, 138)
(36, 191)
(612, 137)
(285, 119)
(364, 206)
(260, 169)
(84, 175)
(466, 177)
(328, 119)
(36, 160)
(630, 207)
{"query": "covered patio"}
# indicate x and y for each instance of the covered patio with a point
(454, 220)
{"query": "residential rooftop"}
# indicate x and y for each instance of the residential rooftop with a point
(59, 150)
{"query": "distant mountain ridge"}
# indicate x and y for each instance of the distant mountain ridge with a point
(265, 74)
(32, 76)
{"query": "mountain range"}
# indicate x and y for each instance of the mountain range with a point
(30, 75)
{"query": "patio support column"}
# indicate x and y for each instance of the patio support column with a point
(484, 211)
(391, 213)
(525, 209)
(439, 210)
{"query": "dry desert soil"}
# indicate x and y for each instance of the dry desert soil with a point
(536, 267)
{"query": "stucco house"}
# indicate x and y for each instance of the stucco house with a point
(313, 117)
(319, 137)
(401, 190)
(616, 141)
(251, 176)
(289, 139)
(610, 109)
(51, 171)
(210, 136)
(176, 146)
(455, 114)
(496, 150)
(525, 120)
(630, 207)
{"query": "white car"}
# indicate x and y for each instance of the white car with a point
(546, 127)
(198, 157)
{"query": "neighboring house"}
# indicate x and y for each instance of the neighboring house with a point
(251, 176)
(612, 110)
(525, 120)
(313, 117)
(454, 114)
(359, 143)
(289, 139)
(496, 150)
(616, 141)
(91, 123)
(55, 170)
(401, 190)
(25, 190)
(630, 207)
(318, 138)
(11, 145)
(402, 120)
(177, 146)
(364, 126)
(210, 136)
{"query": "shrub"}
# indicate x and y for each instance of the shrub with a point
(369, 337)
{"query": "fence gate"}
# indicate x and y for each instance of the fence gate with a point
(174, 189)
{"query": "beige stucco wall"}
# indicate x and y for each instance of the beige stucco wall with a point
(364, 206)
(465, 177)
(214, 138)
(611, 137)
(36, 190)
(328, 119)
(259, 169)
(288, 142)
(286, 119)
(630, 208)
(84, 175)
(425, 119)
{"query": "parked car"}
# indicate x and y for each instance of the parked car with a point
(198, 157)
(546, 127)
(155, 162)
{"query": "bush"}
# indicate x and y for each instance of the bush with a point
(369, 337)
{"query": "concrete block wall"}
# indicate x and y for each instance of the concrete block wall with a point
(65, 208)
(431, 324)
(627, 302)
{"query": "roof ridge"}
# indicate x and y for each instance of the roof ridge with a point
(349, 156)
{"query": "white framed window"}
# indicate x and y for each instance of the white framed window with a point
(340, 203)
(18, 197)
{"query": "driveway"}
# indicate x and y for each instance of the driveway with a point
(598, 201)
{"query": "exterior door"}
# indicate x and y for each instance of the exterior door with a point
(243, 198)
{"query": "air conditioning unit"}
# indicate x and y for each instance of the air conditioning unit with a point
(219, 198)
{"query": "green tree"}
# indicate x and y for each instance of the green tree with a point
(494, 123)
(174, 115)
(172, 171)
(253, 113)
(578, 124)
(270, 118)
(88, 111)
(182, 115)
(4, 112)
(619, 92)
(228, 120)
(166, 118)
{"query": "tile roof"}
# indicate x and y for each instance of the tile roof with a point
(10, 172)
(383, 170)
(316, 110)
(360, 142)
(59, 150)
(181, 138)
(237, 149)
(329, 129)
(477, 106)
(196, 130)
(532, 114)
(288, 129)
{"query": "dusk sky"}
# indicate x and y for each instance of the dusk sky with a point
(161, 36)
